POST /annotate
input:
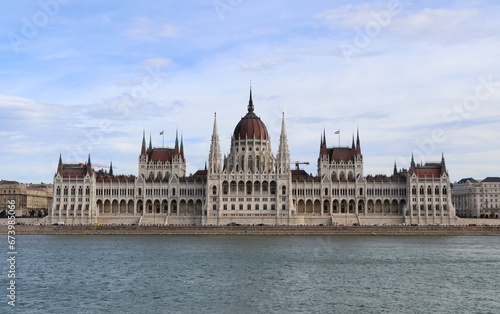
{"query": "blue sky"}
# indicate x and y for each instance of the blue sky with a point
(80, 77)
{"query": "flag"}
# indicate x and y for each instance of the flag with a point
(337, 132)
(161, 133)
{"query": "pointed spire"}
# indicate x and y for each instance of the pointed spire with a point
(205, 165)
(214, 158)
(59, 165)
(443, 164)
(111, 168)
(89, 166)
(182, 146)
(250, 101)
(143, 147)
(358, 145)
(215, 130)
(176, 148)
(150, 142)
(412, 164)
(283, 157)
(395, 168)
(353, 141)
(323, 150)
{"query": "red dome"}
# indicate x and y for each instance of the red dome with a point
(250, 126)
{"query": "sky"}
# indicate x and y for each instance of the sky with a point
(88, 77)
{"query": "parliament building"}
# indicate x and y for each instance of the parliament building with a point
(250, 185)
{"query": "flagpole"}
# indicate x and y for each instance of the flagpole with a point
(339, 138)
(162, 138)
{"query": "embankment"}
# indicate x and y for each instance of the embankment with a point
(257, 230)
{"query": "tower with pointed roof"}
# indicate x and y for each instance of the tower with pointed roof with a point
(283, 157)
(250, 145)
(161, 163)
(251, 177)
(214, 158)
(341, 163)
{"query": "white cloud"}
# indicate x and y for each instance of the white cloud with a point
(350, 16)
(438, 24)
(261, 64)
(146, 29)
(156, 62)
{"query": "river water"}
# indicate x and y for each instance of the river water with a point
(255, 274)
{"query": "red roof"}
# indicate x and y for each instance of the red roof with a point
(106, 177)
(250, 127)
(339, 153)
(429, 170)
(74, 170)
(161, 154)
(303, 176)
(343, 153)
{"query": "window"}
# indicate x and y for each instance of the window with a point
(265, 186)
(273, 187)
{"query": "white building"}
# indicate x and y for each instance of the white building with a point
(251, 185)
(477, 199)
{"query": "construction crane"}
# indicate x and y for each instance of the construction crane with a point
(297, 163)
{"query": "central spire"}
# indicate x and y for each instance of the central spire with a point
(250, 102)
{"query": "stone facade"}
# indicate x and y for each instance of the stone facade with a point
(252, 186)
(32, 200)
(477, 198)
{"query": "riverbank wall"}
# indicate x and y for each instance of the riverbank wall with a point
(257, 230)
